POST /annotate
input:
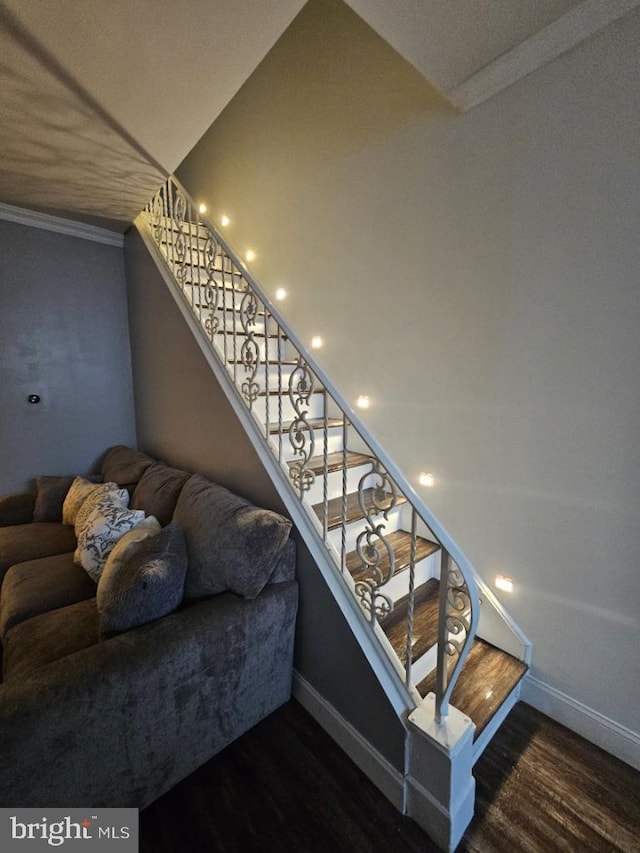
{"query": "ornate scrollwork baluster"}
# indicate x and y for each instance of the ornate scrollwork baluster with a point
(158, 219)
(180, 240)
(249, 351)
(372, 546)
(454, 630)
(300, 432)
(212, 287)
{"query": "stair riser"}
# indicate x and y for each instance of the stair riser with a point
(228, 297)
(356, 527)
(354, 475)
(426, 569)
(234, 351)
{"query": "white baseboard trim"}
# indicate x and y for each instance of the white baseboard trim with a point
(372, 763)
(595, 727)
(34, 219)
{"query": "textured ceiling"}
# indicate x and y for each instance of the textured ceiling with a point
(98, 100)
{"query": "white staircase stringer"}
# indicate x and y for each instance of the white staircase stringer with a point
(391, 678)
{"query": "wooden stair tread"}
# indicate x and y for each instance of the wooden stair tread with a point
(425, 621)
(353, 510)
(335, 461)
(285, 391)
(314, 423)
(400, 541)
(487, 678)
(274, 361)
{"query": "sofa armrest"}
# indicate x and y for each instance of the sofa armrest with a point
(17, 508)
(123, 721)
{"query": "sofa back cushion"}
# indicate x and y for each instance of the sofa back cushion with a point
(124, 465)
(232, 545)
(158, 491)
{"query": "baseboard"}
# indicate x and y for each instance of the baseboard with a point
(595, 727)
(373, 764)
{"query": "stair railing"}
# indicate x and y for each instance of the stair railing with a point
(248, 336)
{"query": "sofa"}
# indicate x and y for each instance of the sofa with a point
(104, 707)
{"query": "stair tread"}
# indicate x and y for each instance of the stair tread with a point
(425, 621)
(400, 541)
(487, 678)
(335, 461)
(285, 362)
(285, 391)
(314, 423)
(353, 509)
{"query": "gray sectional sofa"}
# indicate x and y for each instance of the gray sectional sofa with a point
(104, 719)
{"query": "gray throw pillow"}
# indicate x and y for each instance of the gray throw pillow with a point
(124, 465)
(232, 545)
(147, 586)
(158, 490)
(50, 495)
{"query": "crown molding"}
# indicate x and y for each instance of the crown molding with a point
(566, 32)
(70, 227)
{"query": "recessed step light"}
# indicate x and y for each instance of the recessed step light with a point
(202, 208)
(250, 255)
(316, 342)
(425, 478)
(281, 294)
(363, 402)
(224, 220)
(503, 583)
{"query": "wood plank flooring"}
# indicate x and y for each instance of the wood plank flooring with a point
(286, 787)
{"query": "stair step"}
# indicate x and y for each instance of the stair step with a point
(487, 678)
(284, 362)
(314, 423)
(353, 509)
(335, 461)
(425, 621)
(400, 542)
(285, 391)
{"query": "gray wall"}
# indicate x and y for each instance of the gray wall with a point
(477, 276)
(63, 336)
(183, 417)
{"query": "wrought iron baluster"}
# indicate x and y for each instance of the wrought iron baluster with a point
(280, 432)
(266, 373)
(301, 432)
(454, 625)
(371, 545)
(412, 581)
(325, 466)
(343, 538)
(249, 351)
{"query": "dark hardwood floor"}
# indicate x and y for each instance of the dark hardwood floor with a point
(285, 786)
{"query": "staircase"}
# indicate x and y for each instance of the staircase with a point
(414, 603)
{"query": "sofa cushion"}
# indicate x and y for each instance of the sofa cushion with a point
(107, 491)
(50, 495)
(22, 542)
(147, 586)
(38, 586)
(106, 524)
(78, 492)
(48, 637)
(232, 545)
(158, 491)
(124, 465)
(17, 508)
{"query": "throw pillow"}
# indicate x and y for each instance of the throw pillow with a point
(145, 587)
(232, 545)
(50, 495)
(79, 490)
(106, 524)
(105, 490)
(126, 547)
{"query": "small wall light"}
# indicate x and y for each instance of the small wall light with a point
(503, 583)
(202, 207)
(316, 342)
(362, 402)
(426, 479)
(224, 220)
(250, 255)
(281, 293)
